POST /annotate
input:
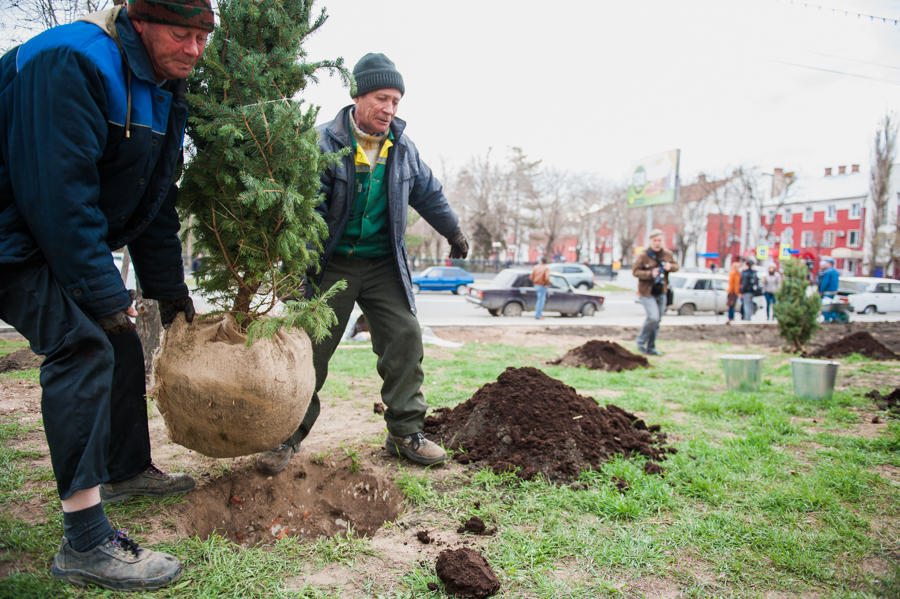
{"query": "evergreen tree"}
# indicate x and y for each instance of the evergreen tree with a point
(796, 309)
(252, 182)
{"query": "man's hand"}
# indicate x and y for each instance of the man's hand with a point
(654, 272)
(667, 267)
(118, 323)
(168, 309)
(459, 246)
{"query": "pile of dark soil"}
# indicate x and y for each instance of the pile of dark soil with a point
(476, 525)
(465, 573)
(23, 359)
(602, 355)
(889, 403)
(860, 342)
(531, 423)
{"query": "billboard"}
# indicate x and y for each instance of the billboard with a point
(654, 180)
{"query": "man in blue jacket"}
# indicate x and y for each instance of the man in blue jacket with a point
(367, 195)
(828, 283)
(92, 118)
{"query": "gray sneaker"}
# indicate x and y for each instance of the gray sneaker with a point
(152, 481)
(276, 460)
(118, 564)
(415, 447)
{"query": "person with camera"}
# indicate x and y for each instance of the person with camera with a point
(651, 269)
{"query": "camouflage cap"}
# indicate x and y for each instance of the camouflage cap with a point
(184, 13)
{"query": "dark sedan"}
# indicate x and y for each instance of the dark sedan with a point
(511, 293)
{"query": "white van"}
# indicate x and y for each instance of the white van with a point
(872, 294)
(703, 292)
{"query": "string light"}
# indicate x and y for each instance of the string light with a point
(848, 13)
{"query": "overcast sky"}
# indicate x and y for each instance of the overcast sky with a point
(590, 86)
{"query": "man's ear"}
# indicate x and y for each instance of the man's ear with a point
(138, 25)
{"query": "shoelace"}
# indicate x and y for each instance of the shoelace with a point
(416, 440)
(121, 540)
(154, 470)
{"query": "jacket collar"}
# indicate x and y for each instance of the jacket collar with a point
(340, 127)
(138, 58)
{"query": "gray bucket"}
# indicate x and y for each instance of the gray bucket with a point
(742, 373)
(814, 379)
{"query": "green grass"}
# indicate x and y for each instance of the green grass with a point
(758, 500)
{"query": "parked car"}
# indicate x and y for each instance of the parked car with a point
(871, 294)
(578, 275)
(703, 292)
(442, 278)
(511, 292)
(604, 270)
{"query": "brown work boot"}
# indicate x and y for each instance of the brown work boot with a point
(276, 460)
(415, 447)
(152, 481)
(118, 564)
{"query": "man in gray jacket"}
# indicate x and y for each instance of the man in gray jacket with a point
(366, 198)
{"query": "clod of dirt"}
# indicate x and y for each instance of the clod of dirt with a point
(621, 484)
(530, 423)
(432, 586)
(602, 355)
(476, 525)
(860, 342)
(378, 408)
(424, 537)
(889, 403)
(653, 468)
(23, 359)
(466, 574)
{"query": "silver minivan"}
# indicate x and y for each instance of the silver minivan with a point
(702, 292)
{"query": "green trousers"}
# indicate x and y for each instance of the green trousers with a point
(375, 285)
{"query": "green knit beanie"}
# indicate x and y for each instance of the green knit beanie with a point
(184, 13)
(376, 71)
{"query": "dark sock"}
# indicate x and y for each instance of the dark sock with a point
(86, 528)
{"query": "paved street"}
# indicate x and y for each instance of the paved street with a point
(620, 309)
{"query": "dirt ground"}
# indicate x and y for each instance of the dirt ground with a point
(344, 478)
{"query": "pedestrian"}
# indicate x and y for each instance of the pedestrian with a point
(364, 249)
(652, 268)
(749, 286)
(102, 102)
(195, 266)
(540, 278)
(771, 284)
(829, 280)
(734, 289)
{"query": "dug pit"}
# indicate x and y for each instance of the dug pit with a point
(305, 500)
(530, 423)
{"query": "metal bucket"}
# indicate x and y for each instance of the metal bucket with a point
(814, 379)
(742, 373)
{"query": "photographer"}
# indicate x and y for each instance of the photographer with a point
(652, 268)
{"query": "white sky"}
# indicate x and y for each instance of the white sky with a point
(590, 86)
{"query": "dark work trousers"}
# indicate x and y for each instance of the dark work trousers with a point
(375, 285)
(92, 401)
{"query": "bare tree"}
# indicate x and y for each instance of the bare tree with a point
(690, 215)
(520, 190)
(726, 203)
(755, 195)
(624, 221)
(883, 154)
(588, 198)
(23, 18)
(552, 206)
(484, 188)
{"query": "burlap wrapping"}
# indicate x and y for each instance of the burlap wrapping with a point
(223, 399)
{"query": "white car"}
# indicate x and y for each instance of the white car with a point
(579, 276)
(873, 295)
(703, 292)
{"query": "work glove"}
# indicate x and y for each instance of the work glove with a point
(168, 309)
(116, 324)
(459, 246)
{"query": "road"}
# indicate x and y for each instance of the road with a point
(437, 309)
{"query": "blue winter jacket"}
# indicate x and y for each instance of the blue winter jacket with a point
(829, 281)
(73, 186)
(410, 183)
